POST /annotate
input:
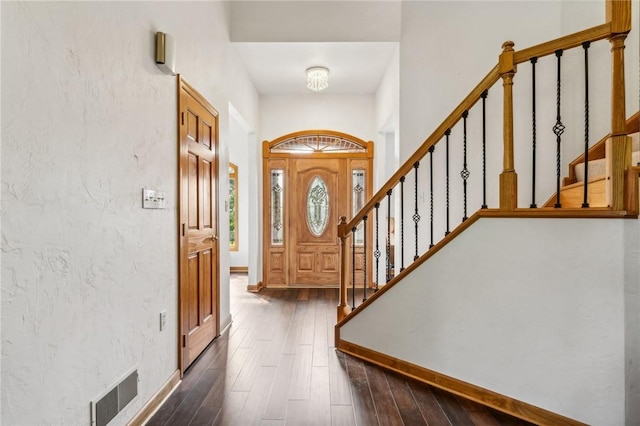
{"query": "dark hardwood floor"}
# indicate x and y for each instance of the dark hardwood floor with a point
(276, 365)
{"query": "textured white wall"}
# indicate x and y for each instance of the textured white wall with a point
(529, 308)
(387, 112)
(448, 47)
(353, 114)
(89, 120)
(632, 321)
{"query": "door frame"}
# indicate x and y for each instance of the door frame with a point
(183, 87)
(277, 155)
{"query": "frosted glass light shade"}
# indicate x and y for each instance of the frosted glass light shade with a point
(317, 78)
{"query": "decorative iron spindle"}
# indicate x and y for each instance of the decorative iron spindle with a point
(447, 134)
(402, 223)
(389, 192)
(416, 215)
(377, 253)
(433, 147)
(484, 149)
(558, 129)
(585, 46)
(364, 260)
(533, 133)
(464, 174)
(353, 267)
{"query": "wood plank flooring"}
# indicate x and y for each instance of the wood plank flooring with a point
(276, 365)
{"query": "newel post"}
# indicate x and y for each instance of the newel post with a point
(508, 177)
(343, 309)
(618, 13)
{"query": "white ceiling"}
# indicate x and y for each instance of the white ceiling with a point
(278, 40)
(279, 68)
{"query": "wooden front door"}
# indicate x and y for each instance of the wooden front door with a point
(310, 179)
(318, 194)
(199, 281)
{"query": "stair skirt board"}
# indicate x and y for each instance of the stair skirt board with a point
(466, 390)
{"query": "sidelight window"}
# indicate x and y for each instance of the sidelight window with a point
(358, 199)
(277, 207)
(233, 207)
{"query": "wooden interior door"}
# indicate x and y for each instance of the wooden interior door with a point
(199, 255)
(318, 193)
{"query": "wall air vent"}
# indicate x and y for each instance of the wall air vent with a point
(106, 407)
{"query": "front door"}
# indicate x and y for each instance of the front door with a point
(199, 302)
(311, 179)
(318, 193)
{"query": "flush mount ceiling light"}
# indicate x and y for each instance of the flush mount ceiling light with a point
(317, 78)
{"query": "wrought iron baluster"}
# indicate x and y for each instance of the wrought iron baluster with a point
(433, 147)
(389, 192)
(533, 133)
(364, 260)
(558, 128)
(402, 223)
(585, 46)
(353, 267)
(464, 174)
(484, 148)
(377, 253)
(416, 215)
(447, 134)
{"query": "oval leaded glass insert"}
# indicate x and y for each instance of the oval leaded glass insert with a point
(317, 206)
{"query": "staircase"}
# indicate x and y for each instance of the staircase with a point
(572, 192)
(524, 309)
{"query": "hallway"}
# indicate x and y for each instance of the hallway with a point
(276, 365)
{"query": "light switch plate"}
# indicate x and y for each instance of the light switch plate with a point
(153, 199)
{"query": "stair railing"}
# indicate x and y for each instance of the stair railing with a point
(377, 216)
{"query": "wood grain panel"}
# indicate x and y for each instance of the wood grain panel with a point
(193, 299)
(330, 261)
(192, 126)
(207, 135)
(207, 297)
(277, 261)
(193, 176)
(305, 261)
(207, 173)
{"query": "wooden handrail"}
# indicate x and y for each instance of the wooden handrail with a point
(570, 41)
(489, 80)
(596, 33)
